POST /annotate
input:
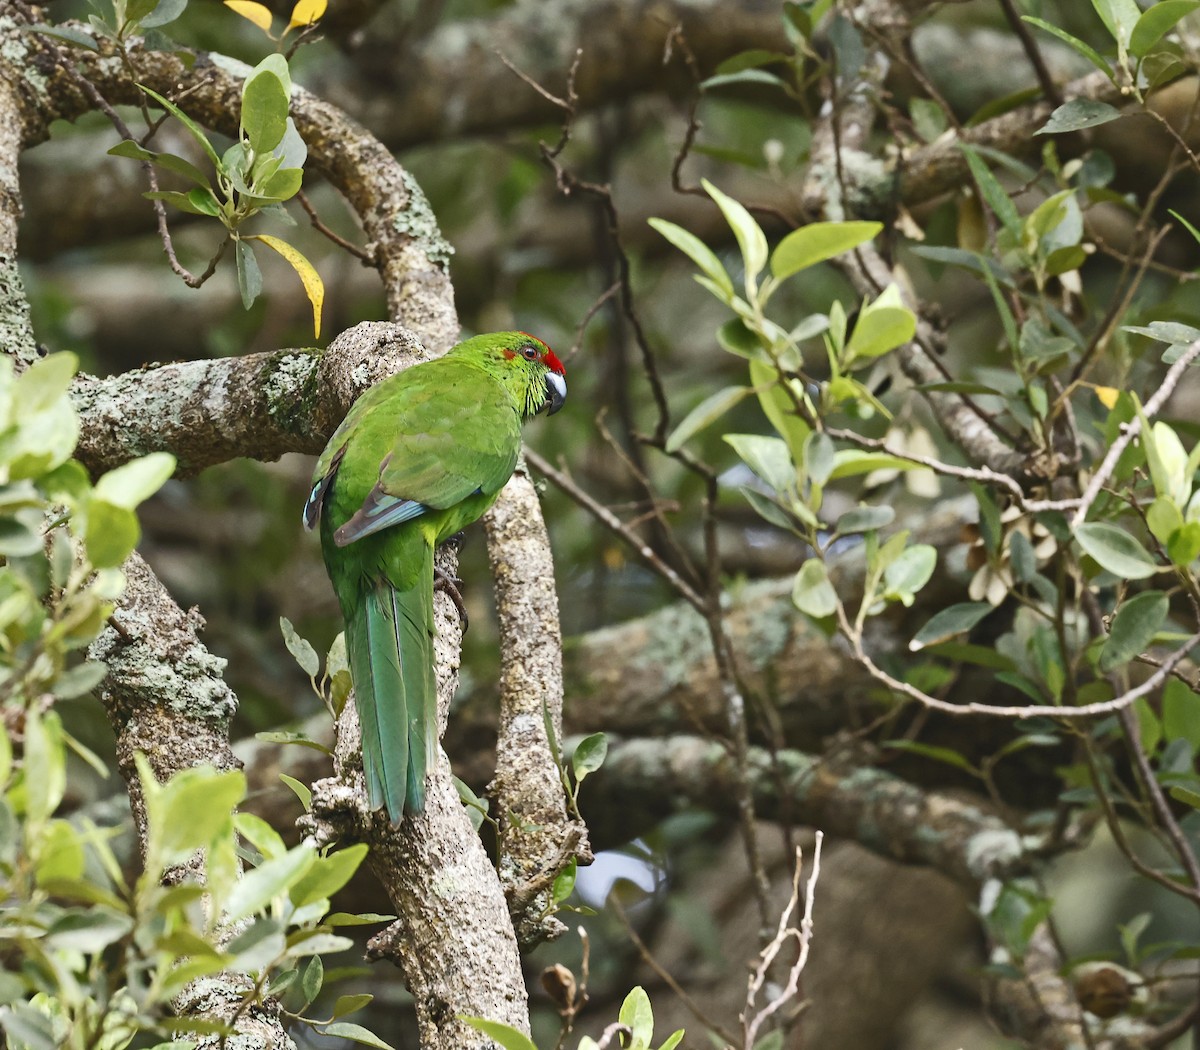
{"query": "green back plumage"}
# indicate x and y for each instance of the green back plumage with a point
(419, 457)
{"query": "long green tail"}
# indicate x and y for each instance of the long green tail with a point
(390, 646)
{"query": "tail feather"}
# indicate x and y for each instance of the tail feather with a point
(390, 648)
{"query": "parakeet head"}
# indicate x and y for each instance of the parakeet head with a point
(524, 364)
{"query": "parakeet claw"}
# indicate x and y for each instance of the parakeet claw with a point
(449, 585)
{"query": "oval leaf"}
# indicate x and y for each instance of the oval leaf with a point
(259, 14)
(956, 619)
(812, 593)
(750, 238)
(817, 242)
(1115, 550)
(1133, 628)
(1076, 114)
(708, 411)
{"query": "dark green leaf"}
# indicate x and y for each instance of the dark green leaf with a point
(249, 276)
(68, 34)
(1133, 628)
(166, 11)
(1077, 45)
(938, 754)
(948, 622)
(1077, 114)
(589, 755)
(264, 110)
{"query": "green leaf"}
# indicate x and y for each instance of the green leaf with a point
(43, 383)
(1115, 550)
(699, 252)
(193, 128)
(768, 457)
(1181, 714)
(1183, 545)
(44, 771)
(90, 931)
(1077, 45)
(314, 977)
(348, 1004)
(293, 738)
(356, 1033)
(301, 790)
(1186, 796)
(165, 11)
(745, 76)
(264, 110)
(167, 161)
(637, 1014)
(283, 185)
(260, 835)
(300, 648)
(270, 879)
(812, 593)
(79, 680)
(864, 519)
(881, 327)
(328, 874)
(708, 411)
(938, 754)
(910, 571)
(589, 755)
(1133, 628)
(190, 810)
(341, 918)
(1119, 18)
(750, 238)
(507, 1037)
(946, 623)
(249, 276)
(1077, 114)
(817, 242)
(112, 533)
(564, 883)
(131, 483)
(68, 34)
(676, 1037)
(851, 461)
(819, 458)
(991, 190)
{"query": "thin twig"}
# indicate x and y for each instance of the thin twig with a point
(614, 524)
(665, 976)
(361, 253)
(1033, 53)
(1132, 429)
(770, 953)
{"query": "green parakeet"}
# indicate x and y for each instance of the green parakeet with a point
(419, 457)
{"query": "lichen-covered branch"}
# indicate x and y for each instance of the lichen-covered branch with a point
(260, 405)
(453, 937)
(959, 838)
(537, 838)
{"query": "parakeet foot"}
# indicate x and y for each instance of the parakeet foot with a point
(449, 585)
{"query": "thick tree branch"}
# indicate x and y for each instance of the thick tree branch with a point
(536, 836)
(959, 837)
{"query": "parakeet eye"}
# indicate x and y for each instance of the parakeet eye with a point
(529, 352)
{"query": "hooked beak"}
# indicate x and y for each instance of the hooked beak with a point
(556, 391)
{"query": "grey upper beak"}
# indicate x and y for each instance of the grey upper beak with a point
(556, 391)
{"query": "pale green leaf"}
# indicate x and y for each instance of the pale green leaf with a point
(708, 411)
(817, 242)
(129, 484)
(699, 252)
(812, 593)
(506, 1036)
(749, 235)
(1115, 550)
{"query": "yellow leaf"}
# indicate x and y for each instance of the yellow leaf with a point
(254, 12)
(306, 12)
(1108, 395)
(313, 286)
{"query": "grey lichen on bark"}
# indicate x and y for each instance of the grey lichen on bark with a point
(537, 836)
(452, 925)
